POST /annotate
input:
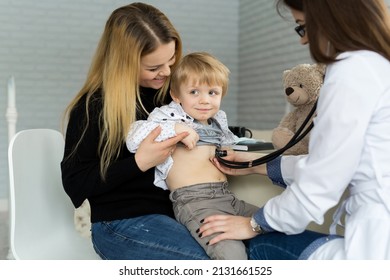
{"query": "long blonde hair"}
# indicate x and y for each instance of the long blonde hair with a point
(132, 31)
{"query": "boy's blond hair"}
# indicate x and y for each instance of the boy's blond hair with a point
(200, 68)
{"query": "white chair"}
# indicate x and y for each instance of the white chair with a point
(41, 214)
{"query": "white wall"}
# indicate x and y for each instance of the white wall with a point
(268, 45)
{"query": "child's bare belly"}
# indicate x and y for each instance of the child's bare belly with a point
(193, 167)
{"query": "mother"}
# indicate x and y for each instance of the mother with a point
(129, 75)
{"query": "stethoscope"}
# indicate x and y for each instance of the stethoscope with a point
(298, 136)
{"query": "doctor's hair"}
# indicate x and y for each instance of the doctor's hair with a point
(347, 25)
(200, 68)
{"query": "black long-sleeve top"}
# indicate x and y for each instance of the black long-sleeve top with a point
(127, 191)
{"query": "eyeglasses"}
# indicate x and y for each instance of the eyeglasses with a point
(300, 29)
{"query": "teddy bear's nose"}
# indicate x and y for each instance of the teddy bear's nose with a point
(289, 90)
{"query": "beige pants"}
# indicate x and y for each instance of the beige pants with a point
(193, 203)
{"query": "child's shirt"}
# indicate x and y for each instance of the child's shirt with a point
(216, 133)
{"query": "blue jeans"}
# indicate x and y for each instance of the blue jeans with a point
(149, 237)
(279, 246)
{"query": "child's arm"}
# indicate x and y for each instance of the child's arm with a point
(170, 127)
(193, 137)
(140, 129)
(137, 133)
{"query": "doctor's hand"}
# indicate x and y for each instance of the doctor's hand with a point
(151, 153)
(228, 227)
(240, 157)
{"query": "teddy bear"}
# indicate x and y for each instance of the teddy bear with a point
(302, 85)
(82, 219)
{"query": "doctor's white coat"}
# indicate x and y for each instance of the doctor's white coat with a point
(349, 147)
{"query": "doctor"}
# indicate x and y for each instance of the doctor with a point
(349, 145)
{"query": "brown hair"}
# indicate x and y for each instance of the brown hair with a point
(347, 25)
(131, 32)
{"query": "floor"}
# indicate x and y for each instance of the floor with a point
(4, 235)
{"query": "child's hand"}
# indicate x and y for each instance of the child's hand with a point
(192, 138)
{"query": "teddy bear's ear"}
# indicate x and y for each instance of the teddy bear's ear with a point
(285, 73)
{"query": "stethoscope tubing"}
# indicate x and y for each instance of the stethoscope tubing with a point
(298, 136)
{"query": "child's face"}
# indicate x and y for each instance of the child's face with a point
(200, 101)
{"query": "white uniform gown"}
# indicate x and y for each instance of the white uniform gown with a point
(349, 147)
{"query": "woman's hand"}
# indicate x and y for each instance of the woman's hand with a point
(240, 157)
(151, 153)
(229, 227)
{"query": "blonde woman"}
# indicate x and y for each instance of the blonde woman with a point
(128, 78)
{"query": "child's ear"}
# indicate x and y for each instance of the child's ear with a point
(174, 98)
